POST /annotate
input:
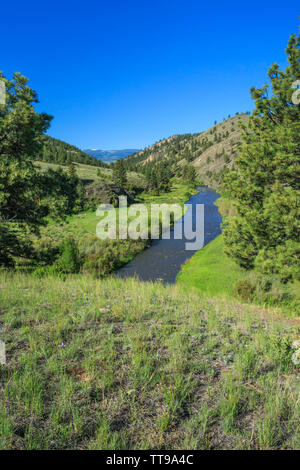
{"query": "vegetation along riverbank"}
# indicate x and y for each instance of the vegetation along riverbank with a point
(96, 362)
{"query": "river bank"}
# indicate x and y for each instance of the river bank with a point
(164, 258)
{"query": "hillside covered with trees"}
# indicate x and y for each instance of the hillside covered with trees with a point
(59, 152)
(211, 152)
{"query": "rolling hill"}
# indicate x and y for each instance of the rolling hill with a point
(59, 152)
(211, 152)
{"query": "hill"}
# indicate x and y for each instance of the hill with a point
(90, 174)
(211, 152)
(109, 156)
(59, 152)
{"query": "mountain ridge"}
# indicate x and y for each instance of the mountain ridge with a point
(212, 152)
(109, 156)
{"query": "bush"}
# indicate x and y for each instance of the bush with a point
(69, 261)
(102, 257)
(40, 272)
(244, 289)
(53, 270)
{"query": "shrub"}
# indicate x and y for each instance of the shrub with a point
(101, 257)
(40, 271)
(53, 270)
(244, 289)
(69, 261)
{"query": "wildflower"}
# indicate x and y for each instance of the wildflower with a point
(61, 345)
(84, 294)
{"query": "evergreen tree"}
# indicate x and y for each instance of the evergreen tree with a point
(27, 195)
(22, 208)
(265, 181)
(69, 261)
(72, 170)
(189, 174)
(119, 174)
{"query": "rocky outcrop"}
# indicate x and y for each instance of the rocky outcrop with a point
(105, 193)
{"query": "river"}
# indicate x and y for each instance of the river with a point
(164, 258)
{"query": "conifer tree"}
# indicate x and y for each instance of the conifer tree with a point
(72, 170)
(119, 173)
(22, 209)
(265, 180)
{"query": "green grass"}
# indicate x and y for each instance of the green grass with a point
(142, 366)
(110, 254)
(88, 173)
(79, 225)
(179, 193)
(210, 271)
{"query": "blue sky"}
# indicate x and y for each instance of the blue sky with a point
(124, 74)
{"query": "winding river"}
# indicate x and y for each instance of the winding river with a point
(164, 258)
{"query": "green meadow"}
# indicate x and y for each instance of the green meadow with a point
(84, 224)
(89, 174)
(211, 272)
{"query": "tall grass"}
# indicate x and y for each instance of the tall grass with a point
(118, 364)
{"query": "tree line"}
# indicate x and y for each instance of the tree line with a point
(59, 152)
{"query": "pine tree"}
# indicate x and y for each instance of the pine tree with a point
(119, 174)
(72, 170)
(69, 261)
(265, 181)
(22, 208)
(189, 174)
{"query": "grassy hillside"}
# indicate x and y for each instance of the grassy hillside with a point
(89, 173)
(210, 152)
(125, 365)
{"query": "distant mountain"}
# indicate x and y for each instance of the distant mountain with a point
(109, 156)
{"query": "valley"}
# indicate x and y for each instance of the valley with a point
(118, 341)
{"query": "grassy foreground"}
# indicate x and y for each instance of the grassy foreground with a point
(126, 365)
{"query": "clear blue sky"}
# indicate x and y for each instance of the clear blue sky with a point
(124, 74)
